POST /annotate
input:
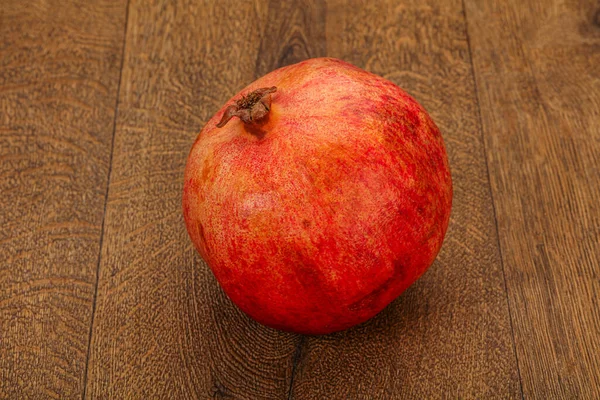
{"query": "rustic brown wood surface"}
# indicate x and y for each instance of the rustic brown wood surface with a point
(102, 294)
(537, 67)
(59, 71)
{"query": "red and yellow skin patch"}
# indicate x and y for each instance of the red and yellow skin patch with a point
(340, 203)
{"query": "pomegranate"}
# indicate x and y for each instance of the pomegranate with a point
(318, 195)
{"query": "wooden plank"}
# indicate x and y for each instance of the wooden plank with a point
(449, 335)
(537, 65)
(59, 72)
(163, 328)
(294, 31)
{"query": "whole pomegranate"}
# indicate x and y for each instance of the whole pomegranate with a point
(318, 195)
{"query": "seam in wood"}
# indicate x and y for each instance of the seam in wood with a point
(112, 147)
(295, 362)
(489, 185)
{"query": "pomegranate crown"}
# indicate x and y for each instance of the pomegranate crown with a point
(252, 108)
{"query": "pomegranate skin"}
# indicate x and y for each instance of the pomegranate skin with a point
(316, 218)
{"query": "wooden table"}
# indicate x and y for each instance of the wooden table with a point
(103, 296)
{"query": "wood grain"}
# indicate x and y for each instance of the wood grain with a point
(59, 70)
(537, 65)
(163, 328)
(294, 31)
(449, 335)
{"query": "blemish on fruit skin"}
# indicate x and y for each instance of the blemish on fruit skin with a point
(201, 233)
(206, 171)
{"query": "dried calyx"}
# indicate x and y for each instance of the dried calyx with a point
(251, 109)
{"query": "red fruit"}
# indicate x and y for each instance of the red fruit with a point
(324, 194)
